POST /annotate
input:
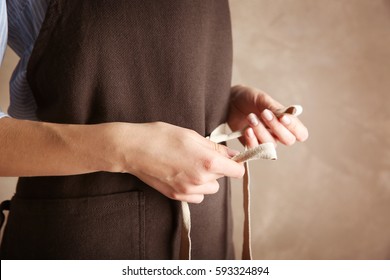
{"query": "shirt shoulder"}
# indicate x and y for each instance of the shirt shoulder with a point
(3, 29)
(25, 18)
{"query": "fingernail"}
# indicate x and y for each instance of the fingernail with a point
(285, 120)
(253, 119)
(267, 115)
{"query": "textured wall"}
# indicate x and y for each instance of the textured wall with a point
(328, 198)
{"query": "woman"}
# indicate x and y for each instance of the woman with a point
(123, 94)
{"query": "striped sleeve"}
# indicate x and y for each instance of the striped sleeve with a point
(3, 35)
(25, 19)
(3, 29)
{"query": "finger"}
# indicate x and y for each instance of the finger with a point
(260, 131)
(218, 166)
(250, 138)
(172, 193)
(224, 150)
(193, 198)
(266, 101)
(284, 135)
(296, 127)
(207, 188)
(198, 187)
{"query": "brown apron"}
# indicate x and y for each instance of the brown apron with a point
(132, 61)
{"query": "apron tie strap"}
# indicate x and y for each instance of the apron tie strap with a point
(185, 242)
(263, 151)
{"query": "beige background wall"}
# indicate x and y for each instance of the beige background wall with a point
(328, 198)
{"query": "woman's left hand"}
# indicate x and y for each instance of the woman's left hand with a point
(252, 108)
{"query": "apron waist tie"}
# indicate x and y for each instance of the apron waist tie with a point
(263, 151)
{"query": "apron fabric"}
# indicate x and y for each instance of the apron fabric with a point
(136, 61)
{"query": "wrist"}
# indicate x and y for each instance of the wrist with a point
(97, 147)
(118, 146)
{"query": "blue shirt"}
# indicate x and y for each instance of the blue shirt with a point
(25, 19)
(3, 28)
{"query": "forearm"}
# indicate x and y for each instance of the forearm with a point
(178, 162)
(29, 148)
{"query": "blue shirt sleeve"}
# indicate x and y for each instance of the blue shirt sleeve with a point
(3, 29)
(3, 35)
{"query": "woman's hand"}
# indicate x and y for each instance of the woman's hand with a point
(250, 106)
(178, 162)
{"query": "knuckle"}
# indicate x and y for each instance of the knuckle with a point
(198, 180)
(183, 189)
(174, 196)
(209, 163)
(293, 125)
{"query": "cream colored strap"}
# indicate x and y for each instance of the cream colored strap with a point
(185, 241)
(263, 151)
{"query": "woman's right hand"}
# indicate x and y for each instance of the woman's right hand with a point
(178, 162)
